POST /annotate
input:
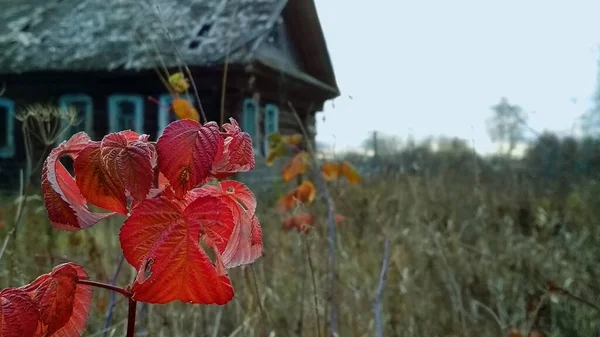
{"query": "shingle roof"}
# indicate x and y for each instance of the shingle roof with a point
(106, 34)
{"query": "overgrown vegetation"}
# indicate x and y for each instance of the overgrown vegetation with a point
(473, 242)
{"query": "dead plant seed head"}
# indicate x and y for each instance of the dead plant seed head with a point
(46, 122)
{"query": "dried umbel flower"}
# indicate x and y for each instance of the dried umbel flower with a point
(46, 122)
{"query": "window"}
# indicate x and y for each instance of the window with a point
(249, 118)
(271, 123)
(84, 119)
(165, 113)
(126, 112)
(7, 128)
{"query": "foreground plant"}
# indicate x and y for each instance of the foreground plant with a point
(176, 202)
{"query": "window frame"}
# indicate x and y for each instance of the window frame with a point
(64, 101)
(114, 111)
(8, 150)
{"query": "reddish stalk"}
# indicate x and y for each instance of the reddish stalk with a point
(110, 287)
(124, 292)
(131, 318)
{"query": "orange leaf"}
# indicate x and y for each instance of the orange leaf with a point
(306, 192)
(298, 165)
(330, 171)
(287, 202)
(348, 171)
(184, 109)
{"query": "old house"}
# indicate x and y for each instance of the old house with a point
(100, 56)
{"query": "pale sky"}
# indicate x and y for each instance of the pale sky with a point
(436, 67)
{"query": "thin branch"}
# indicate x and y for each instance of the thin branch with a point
(225, 69)
(110, 287)
(554, 288)
(536, 312)
(330, 223)
(314, 282)
(217, 323)
(18, 217)
(187, 69)
(263, 315)
(380, 287)
(112, 300)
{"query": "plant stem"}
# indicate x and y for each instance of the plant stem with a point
(322, 187)
(380, 287)
(131, 318)
(111, 305)
(110, 287)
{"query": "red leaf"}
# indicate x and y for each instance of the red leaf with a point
(66, 207)
(238, 154)
(18, 315)
(129, 157)
(119, 167)
(186, 151)
(245, 244)
(161, 239)
(64, 305)
(97, 182)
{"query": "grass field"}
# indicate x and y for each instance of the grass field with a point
(465, 259)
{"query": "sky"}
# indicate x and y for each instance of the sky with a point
(425, 68)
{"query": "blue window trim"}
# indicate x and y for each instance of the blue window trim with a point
(271, 123)
(113, 112)
(8, 150)
(64, 101)
(249, 120)
(164, 103)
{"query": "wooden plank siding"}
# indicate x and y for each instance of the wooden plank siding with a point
(47, 88)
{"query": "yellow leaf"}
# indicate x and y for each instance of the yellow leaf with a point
(295, 167)
(179, 83)
(184, 109)
(348, 171)
(275, 151)
(274, 138)
(294, 139)
(330, 171)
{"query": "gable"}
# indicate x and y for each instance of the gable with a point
(278, 49)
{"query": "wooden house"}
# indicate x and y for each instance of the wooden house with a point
(100, 57)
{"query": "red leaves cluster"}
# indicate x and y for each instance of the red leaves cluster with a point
(172, 211)
(55, 304)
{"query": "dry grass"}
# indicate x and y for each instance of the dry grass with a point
(463, 262)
